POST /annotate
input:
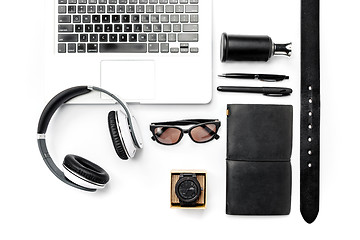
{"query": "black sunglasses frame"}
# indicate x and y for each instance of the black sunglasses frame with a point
(195, 122)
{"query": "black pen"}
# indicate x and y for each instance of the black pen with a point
(267, 91)
(261, 77)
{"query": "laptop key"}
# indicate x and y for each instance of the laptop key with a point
(115, 18)
(152, 37)
(108, 28)
(61, 9)
(89, 28)
(72, 48)
(98, 27)
(132, 37)
(112, 37)
(83, 37)
(122, 37)
(61, 48)
(96, 18)
(125, 18)
(172, 37)
(194, 50)
(162, 37)
(153, 47)
(65, 28)
(67, 38)
(86, 18)
(64, 19)
(93, 37)
(190, 28)
(123, 48)
(174, 50)
(81, 9)
(103, 37)
(105, 18)
(62, 1)
(71, 9)
(191, 9)
(76, 18)
(164, 47)
(120, 9)
(188, 37)
(79, 28)
(194, 18)
(142, 37)
(145, 18)
(117, 27)
(137, 28)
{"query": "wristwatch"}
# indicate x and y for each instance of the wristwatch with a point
(188, 189)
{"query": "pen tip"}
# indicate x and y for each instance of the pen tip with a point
(287, 77)
(221, 75)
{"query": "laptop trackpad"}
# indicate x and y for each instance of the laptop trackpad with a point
(132, 81)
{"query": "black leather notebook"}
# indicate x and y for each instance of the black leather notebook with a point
(258, 169)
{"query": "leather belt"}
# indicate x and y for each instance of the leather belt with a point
(310, 110)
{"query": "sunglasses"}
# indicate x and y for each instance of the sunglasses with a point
(167, 133)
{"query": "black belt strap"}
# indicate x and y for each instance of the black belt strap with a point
(310, 110)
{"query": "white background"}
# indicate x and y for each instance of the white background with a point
(34, 204)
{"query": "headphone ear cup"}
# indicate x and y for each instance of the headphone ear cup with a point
(115, 136)
(84, 173)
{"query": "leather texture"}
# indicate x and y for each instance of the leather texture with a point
(310, 110)
(259, 146)
(86, 169)
(115, 136)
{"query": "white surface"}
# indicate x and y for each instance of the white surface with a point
(36, 205)
(174, 72)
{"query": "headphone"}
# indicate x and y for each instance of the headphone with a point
(79, 172)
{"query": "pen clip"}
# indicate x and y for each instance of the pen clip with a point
(282, 92)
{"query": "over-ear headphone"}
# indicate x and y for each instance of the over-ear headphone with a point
(79, 172)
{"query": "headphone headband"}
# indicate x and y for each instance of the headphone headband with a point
(54, 104)
(69, 94)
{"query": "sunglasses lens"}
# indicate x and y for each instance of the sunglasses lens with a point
(203, 133)
(167, 135)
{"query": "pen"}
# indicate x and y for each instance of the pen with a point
(267, 91)
(261, 77)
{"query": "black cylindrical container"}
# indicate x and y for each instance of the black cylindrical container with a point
(246, 48)
(251, 48)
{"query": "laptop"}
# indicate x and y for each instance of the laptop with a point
(144, 51)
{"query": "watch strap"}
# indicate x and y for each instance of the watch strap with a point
(310, 110)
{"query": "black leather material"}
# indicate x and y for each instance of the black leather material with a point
(310, 110)
(86, 169)
(115, 136)
(259, 145)
(56, 102)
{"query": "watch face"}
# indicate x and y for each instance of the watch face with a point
(188, 189)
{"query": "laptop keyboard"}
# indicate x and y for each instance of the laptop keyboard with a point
(128, 26)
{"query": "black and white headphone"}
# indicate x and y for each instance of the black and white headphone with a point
(79, 172)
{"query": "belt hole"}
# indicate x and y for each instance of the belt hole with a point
(310, 114)
(310, 88)
(309, 164)
(310, 126)
(310, 100)
(310, 152)
(309, 139)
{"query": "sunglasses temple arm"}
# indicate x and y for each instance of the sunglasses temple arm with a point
(212, 133)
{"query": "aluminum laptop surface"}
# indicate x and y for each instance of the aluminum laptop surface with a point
(145, 51)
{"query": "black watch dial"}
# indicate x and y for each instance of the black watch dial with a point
(188, 190)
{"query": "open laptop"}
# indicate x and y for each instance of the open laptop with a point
(144, 51)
